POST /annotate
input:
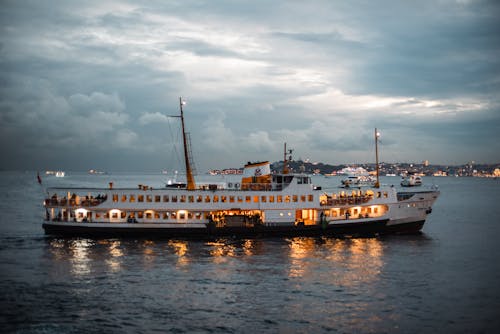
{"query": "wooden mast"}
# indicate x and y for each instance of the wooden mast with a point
(191, 185)
(377, 183)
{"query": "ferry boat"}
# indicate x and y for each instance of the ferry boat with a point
(411, 181)
(261, 204)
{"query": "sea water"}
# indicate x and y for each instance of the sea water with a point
(443, 280)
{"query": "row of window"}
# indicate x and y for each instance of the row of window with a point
(146, 215)
(214, 199)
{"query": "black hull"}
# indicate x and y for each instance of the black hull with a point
(337, 230)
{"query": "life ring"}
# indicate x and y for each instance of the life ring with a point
(229, 185)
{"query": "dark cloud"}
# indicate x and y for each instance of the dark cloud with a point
(89, 85)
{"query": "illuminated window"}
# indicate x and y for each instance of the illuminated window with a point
(165, 198)
(263, 199)
(174, 199)
(310, 198)
(124, 198)
(191, 199)
(132, 198)
(295, 198)
(302, 198)
(124, 214)
(149, 215)
(182, 215)
(140, 214)
(223, 199)
(207, 199)
(231, 199)
(165, 215)
(247, 199)
(157, 198)
(140, 198)
(115, 197)
(271, 199)
(287, 198)
(240, 199)
(279, 199)
(149, 198)
(199, 198)
(256, 199)
(173, 215)
(216, 199)
(183, 198)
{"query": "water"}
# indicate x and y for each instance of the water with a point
(445, 279)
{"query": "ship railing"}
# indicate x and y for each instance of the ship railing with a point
(346, 200)
(73, 202)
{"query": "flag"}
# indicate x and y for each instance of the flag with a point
(38, 177)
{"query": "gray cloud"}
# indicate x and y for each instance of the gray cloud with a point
(90, 85)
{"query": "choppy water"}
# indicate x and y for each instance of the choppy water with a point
(445, 279)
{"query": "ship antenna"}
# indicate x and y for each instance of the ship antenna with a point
(377, 134)
(285, 161)
(189, 173)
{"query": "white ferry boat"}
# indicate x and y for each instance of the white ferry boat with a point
(261, 204)
(411, 181)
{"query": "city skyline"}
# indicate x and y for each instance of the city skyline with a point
(91, 85)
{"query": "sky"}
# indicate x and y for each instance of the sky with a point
(91, 84)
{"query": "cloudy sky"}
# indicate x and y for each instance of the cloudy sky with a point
(89, 84)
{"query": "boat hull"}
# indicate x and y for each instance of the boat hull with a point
(369, 228)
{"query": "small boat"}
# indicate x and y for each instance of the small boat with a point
(359, 181)
(411, 181)
(261, 204)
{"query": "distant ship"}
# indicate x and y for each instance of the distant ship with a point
(260, 204)
(411, 181)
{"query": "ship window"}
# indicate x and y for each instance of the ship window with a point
(287, 198)
(199, 198)
(191, 199)
(379, 194)
(271, 199)
(165, 215)
(132, 198)
(295, 198)
(165, 198)
(140, 214)
(263, 199)
(115, 197)
(124, 198)
(240, 199)
(198, 215)
(256, 199)
(279, 199)
(124, 214)
(299, 180)
(149, 215)
(183, 198)
(174, 199)
(182, 215)
(97, 215)
(385, 194)
(190, 215)
(140, 198)
(149, 198)
(157, 198)
(223, 199)
(216, 199)
(247, 199)
(310, 198)
(231, 199)
(302, 198)
(207, 199)
(173, 215)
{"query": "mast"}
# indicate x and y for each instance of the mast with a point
(285, 161)
(377, 134)
(191, 185)
(285, 165)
